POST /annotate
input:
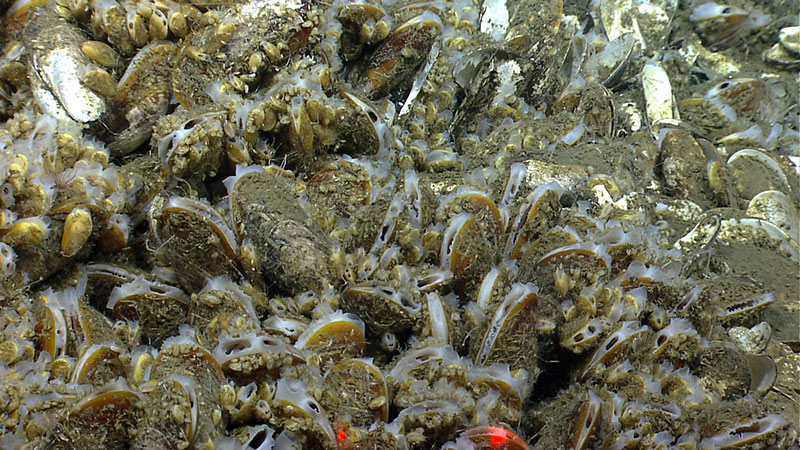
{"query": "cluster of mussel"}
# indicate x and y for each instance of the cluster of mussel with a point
(499, 230)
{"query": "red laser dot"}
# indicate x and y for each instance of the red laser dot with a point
(498, 437)
(342, 435)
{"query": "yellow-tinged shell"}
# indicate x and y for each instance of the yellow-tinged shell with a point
(100, 52)
(77, 229)
(25, 233)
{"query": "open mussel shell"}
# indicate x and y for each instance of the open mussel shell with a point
(107, 417)
(509, 334)
(159, 308)
(185, 225)
(100, 364)
(383, 307)
(777, 208)
(763, 373)
(753, 172)
(333, 337)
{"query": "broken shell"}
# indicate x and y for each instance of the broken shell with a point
(657, 93)
(777, 208)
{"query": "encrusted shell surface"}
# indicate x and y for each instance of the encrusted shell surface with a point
(399, 224)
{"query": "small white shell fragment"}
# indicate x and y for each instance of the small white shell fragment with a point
(618, 18)
(752, 340)
(789, 37)
(777, 208)
(778, 55)
(657, 92)
(603, 63)
(509, 73)
(494, 19)
(420, 77)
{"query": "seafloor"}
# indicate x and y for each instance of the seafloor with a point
(432, 224)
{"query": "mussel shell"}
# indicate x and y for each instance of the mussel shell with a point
(364, 395)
